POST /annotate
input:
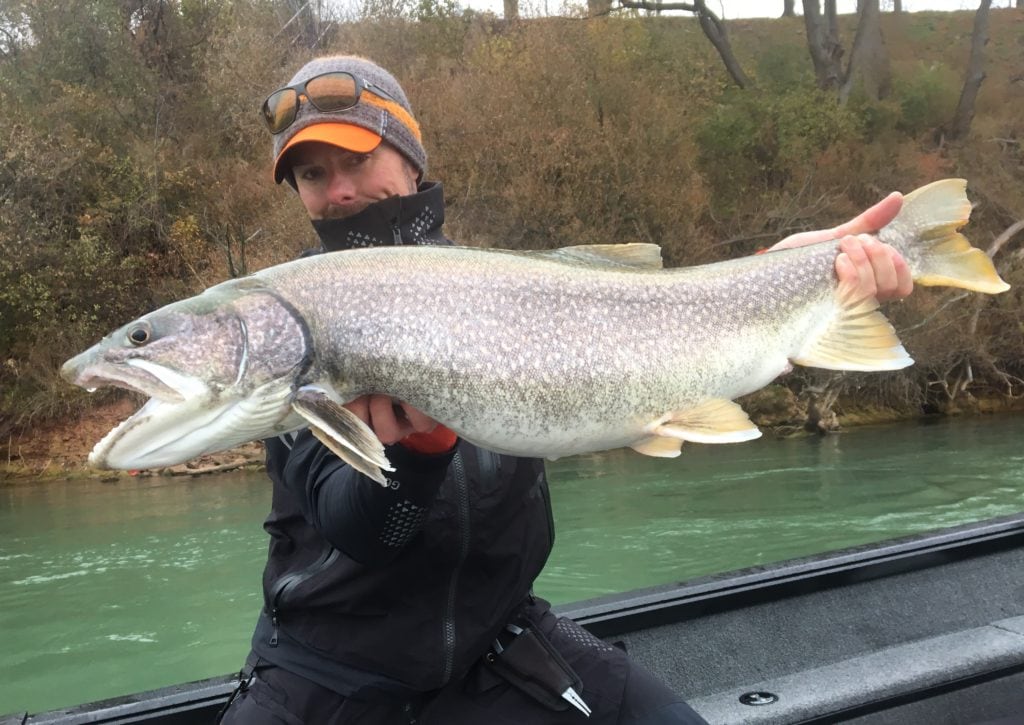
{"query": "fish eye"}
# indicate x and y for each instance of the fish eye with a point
(140, 334)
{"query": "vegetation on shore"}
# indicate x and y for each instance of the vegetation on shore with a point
(134, 169)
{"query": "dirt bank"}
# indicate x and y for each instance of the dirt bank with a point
(60, 449)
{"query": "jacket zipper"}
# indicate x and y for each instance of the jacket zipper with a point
(290, 581)
(462, 489)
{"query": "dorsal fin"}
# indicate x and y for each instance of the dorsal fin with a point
(634, 254)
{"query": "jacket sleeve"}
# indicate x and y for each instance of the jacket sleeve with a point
(368, 522)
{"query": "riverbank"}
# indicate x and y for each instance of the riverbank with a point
(60, 449)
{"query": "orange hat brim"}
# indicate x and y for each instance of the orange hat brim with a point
(343, 135)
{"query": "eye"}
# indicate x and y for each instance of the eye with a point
(354, 161)
(308, 173)
(140, 334)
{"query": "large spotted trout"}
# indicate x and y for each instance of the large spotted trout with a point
(542, 354)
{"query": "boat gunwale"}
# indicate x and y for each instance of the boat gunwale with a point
(638, 609)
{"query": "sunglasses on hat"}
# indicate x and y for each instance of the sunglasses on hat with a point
(327, 93)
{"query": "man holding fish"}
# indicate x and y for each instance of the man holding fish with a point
(412, 602)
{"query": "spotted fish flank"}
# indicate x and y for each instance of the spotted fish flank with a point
(528, 353)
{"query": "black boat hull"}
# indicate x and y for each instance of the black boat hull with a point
(922, 629)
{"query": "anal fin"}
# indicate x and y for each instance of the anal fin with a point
(858, 338)
(342, 431)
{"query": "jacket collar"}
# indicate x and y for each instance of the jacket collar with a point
(413, 219)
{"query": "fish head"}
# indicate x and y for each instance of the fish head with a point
(218, 369)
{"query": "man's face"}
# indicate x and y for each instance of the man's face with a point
(335, 183)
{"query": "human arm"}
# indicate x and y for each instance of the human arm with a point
(368, 522)
(877, 269)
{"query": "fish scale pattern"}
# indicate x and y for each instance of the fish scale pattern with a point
(570, 630)
(402, 522)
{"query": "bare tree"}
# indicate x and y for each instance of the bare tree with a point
(897, 7)
(713, 27)
(823, 43)
(511, 9)
(308, 21)
(869, 58)
(975, 73)
(788, 10)
(598, 7)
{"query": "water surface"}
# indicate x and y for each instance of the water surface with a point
(113, 588)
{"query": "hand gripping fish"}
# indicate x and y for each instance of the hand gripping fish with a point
(543, 354)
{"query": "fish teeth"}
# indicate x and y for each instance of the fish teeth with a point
(98, 455)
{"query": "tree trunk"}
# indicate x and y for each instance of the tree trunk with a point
(869, 58)
(823, 43)
(788, 10)
(975, 73)
(897, 7)
(713, 27)
(598, 7)
(833, 20)
(714, 30)
(511, 9)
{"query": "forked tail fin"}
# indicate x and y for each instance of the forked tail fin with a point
(925, 232)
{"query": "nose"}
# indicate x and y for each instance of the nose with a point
(341, 188)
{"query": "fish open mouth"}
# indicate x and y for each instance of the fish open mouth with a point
(184, 416)
(100, 456)
(137, 441)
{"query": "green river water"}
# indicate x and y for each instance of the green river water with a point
(113, 588)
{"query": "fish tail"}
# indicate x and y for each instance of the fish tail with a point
(925, 232)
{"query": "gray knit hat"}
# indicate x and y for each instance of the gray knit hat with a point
(360, 128)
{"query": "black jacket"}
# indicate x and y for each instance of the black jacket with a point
(374, 591)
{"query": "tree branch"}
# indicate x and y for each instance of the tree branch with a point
(711, 24)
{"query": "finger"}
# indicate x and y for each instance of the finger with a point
(361, 407)
(905, 277)
(857, 270)
(420, 421)
(845, 271)
(384, 422)
(880, 257)
(874, 218)
(899, 282)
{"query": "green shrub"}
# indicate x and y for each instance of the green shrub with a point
(927, 97)
(756, 140)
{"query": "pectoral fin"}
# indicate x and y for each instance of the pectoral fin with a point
(342, 431)
(658, 446)
(714, 421)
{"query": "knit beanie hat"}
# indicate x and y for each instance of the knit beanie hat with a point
(360, 128)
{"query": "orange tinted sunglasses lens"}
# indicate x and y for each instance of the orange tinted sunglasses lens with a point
(333, 91)
(279, 110)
